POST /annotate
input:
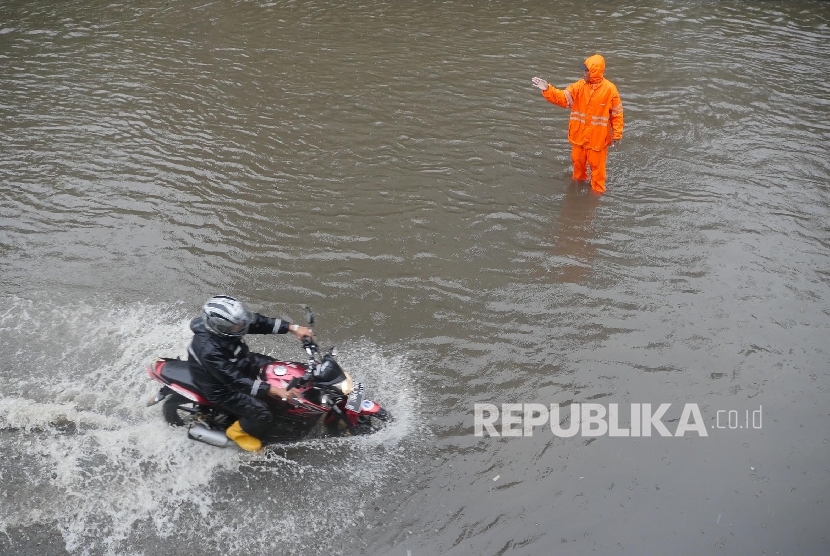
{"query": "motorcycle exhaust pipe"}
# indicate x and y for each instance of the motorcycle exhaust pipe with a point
(204, 434)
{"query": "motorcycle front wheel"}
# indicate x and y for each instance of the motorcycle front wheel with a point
(369, 424)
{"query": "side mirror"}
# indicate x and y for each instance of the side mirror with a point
(309, 317)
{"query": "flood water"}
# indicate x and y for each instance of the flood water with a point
(390, 165)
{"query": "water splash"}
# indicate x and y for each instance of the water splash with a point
(88, 458)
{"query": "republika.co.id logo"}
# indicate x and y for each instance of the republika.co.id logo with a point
(593, 419)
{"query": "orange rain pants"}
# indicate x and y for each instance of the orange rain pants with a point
(583, 159)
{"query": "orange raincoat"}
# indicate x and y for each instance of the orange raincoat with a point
(596, 120)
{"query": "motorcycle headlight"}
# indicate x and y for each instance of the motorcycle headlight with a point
(345, 386)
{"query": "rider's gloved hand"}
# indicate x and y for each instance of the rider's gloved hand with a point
(282, 393)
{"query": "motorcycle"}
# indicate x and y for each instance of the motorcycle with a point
(327, 394)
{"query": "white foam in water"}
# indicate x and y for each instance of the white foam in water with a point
(95, 463)
(27, 415)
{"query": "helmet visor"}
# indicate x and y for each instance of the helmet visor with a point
(239, 328)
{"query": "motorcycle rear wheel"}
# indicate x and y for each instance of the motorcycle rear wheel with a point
(178, 411)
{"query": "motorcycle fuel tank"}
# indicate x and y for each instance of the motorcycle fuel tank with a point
(280, 373)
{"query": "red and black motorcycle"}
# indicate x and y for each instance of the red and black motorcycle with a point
(329, 402)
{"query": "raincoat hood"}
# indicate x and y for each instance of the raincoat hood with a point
(197, 325)
(596, 67)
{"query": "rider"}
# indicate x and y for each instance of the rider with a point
(227, 372)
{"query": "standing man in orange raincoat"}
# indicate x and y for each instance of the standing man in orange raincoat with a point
(596, 119)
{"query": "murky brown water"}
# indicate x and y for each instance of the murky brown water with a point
(392, 166)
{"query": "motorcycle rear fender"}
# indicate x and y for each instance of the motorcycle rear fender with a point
(154, 370)
(192, 396)
(163, 393)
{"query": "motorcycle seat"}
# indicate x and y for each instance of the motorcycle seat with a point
(178, 372)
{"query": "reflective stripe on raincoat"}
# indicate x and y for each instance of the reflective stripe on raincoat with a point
(596, 108)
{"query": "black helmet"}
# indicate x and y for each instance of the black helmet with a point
(226, 316)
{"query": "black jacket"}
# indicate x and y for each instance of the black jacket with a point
(223, 366)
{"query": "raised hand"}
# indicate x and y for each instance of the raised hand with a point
(541, 83)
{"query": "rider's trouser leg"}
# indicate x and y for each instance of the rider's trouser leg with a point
(255, 417)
